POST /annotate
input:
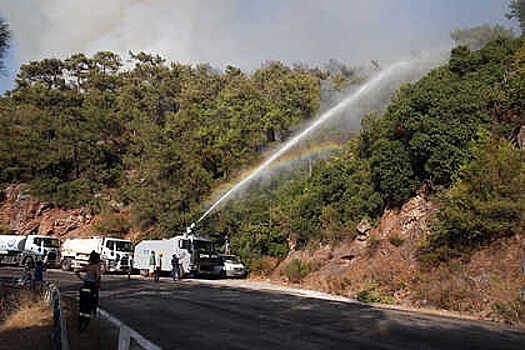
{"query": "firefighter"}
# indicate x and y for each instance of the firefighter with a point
(158, 268)
(152, 264)
(175, 267)
(130, 268)
(88, 294)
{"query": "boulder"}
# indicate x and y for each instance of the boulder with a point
(364, 226)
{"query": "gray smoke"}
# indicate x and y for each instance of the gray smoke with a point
(237, 32)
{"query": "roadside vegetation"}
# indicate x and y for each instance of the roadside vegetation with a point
(25, 321)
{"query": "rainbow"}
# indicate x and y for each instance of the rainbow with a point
(319, 151)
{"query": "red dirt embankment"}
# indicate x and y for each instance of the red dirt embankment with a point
(21, 214)
(382, 261)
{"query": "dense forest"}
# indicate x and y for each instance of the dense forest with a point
(159, 138)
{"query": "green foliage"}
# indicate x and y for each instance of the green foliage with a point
(164, 136)
(296, 270)
(368, 297)
(510, 312)
(485, 203)
(4, 230)
(476, 37)
(261, 266)
(516, 9)
(112, 224)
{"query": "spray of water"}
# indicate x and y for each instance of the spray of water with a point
(339, 108)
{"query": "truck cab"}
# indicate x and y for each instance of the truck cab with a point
(21, 250)
(115, 253)
(202, 257)
(43, 247)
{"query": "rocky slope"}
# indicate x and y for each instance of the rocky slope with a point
(22, 214)
(380, 265)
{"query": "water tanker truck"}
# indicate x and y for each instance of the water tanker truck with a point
(21, 250)
(197, 255)
(114, 253)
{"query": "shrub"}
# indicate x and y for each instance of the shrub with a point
(261, 267)
(513, 313)
(112, 224)
(296, 270)
(486, 202)
(366, 296)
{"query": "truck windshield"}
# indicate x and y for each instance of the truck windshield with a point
(123, 246)
(204, 247)
(48, 242)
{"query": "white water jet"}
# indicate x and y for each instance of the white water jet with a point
(373, 83)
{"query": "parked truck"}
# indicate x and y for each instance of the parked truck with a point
(21, 250)
(197, 255)
(114, 253)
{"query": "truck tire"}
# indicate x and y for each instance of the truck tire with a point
(66, 264)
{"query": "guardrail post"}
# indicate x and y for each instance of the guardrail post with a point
(123, 338)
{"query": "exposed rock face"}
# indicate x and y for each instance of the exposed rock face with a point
(24, 215)
(363, 229)
(408, 222)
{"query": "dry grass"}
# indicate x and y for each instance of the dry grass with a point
(100, 334)
(485, 287)
(27, 323)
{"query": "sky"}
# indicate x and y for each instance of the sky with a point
(239, 32)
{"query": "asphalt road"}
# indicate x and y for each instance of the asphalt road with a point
(199, 315)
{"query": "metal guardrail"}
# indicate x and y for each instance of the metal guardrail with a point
(53, 298)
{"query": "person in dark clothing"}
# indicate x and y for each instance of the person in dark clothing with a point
(38, 275)
(175, 267)
(88, 294)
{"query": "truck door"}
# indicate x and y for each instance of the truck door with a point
(186, 254)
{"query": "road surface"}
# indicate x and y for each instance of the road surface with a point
(200, 315)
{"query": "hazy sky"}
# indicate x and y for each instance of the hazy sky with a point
(243, 33)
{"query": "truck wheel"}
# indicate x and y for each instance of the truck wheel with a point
(66, 264)
(144, 272)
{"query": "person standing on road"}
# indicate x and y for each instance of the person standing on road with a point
(38, 274)
(152, 264)
(158, 268)
(227, 246)
(175, 267)
(130, 262)
(88, 293)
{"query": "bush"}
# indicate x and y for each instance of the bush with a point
(486, 202)
(262, 266)
(112, 224)
(512, 313)
(3, 230)
(296, 270)
(368, 297)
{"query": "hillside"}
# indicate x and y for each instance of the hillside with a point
(410, 210)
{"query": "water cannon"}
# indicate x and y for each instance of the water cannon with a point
(189, 229)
